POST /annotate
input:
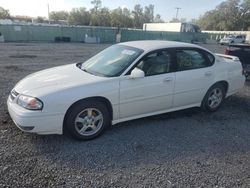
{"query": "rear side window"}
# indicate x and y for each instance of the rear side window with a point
(188, 59)
(210, 58)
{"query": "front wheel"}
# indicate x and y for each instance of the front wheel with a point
(87, 120)
(214, 98)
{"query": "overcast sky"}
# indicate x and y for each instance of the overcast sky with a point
(166, 8)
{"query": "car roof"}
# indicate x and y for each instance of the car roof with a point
(149, 45)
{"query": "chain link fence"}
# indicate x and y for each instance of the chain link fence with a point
(41, 33)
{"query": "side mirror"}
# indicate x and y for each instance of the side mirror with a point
(137, 73)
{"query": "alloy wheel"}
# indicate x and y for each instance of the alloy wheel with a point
(215, 98)
(89, 121)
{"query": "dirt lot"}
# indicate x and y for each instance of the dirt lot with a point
(182, 149)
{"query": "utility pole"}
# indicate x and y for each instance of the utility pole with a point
(177, 12)
(48, 14)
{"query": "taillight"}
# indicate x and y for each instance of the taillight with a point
(245, 73)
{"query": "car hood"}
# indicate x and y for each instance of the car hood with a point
(54, 79)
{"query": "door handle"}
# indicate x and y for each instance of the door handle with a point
(169, 79)
(208, 74)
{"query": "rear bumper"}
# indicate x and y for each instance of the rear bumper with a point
(236, 85)
(35, 121)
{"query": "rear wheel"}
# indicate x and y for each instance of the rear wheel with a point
(87, 120)
(214, 97)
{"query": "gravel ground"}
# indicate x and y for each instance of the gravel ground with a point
(188, 148)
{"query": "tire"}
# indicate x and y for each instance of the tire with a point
(87, 120)
(218, 90)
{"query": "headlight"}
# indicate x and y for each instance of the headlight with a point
(30, 103)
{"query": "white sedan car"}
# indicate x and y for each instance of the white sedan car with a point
(233, 39)
(123, 82)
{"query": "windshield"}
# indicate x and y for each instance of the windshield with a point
(111, 61)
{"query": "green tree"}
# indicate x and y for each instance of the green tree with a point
(178, 20)
(4, 14)
(127, 18)
(59, 15)
(99, 16)
(174, 20)
(40, 19)
(97, 4)
(121, 18)
(245, 15)
(116, 17)
(104, 17)
(228, 15)
(158, 19)
(148, 14)
(138, 16)
(79, 16)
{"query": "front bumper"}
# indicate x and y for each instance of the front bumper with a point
(35, 121)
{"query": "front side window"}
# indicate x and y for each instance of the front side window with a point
(112, 61)
(156, 63)
(190, 59)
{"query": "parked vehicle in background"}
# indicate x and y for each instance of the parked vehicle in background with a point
(242, 51)
(193, 32)
(172, 27)
(123, 82)
(233, 39)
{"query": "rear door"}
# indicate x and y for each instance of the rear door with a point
(194, 75)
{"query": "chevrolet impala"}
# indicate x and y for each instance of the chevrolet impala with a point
(123, 82)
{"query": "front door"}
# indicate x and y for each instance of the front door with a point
(152, 93)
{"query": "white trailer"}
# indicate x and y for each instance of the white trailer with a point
(171, 27)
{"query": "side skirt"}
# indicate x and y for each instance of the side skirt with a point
(155, 113)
